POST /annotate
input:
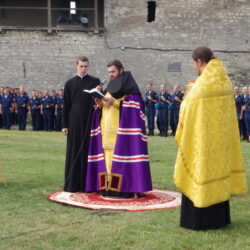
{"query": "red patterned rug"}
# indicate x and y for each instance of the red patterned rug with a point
(154, 200)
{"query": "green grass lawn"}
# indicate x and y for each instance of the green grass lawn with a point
(34, 166)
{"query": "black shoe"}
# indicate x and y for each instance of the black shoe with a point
(141, 195)
(114, 194)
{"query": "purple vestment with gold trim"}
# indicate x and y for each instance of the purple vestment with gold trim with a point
(130, 166)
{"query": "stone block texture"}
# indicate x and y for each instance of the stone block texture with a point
(156, 52)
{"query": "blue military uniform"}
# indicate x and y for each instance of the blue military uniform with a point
(164, 100)
(22, 102)
(239, 102)
(150, 110)
(1, 118)
(41, 127)
(35, 110)
(243, 124)
(14, 116)
(59, 104)
(174, 115)
(53, 117)
(7, 110)
(247, 115)
(47, 110)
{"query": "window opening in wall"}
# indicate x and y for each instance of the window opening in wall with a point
(151, 11)
(72, 7)
(74, 17)
(79, 15)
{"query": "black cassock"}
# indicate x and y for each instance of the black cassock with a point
(212, 217)
(77, 115)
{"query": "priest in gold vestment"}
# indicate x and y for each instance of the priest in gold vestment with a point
(209, 166)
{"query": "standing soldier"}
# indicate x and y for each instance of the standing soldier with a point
(246, 110)
(239, 101)
(35, 110)
(53, 116)
(22, 102)
(39, 95)
(7, 106)
(58, 110)
(13, 116)
(15, 93)
(245, 99)
(46, 110)
(1, 97)
(151, 99)
(164, 100)
(176, 100)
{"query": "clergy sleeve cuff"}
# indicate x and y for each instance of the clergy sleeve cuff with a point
(117, 103)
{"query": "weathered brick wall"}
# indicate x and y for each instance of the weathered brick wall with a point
(41, 60)
(158, 52)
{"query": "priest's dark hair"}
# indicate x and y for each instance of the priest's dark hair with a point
(203, 53)
(82, 59)
(117, 63)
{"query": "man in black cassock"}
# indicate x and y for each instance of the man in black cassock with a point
(77, 115)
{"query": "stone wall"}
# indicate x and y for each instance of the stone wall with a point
(158, 52)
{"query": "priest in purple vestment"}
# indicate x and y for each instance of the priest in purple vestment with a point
(118, 161)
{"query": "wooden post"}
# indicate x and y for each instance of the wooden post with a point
(49, 17)
(96, 17)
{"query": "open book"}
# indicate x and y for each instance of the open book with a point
(95, 93)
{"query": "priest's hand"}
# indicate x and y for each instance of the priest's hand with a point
(99, 87)
(244, 107)
(98, 101)
(108, 100)
(65, 130)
